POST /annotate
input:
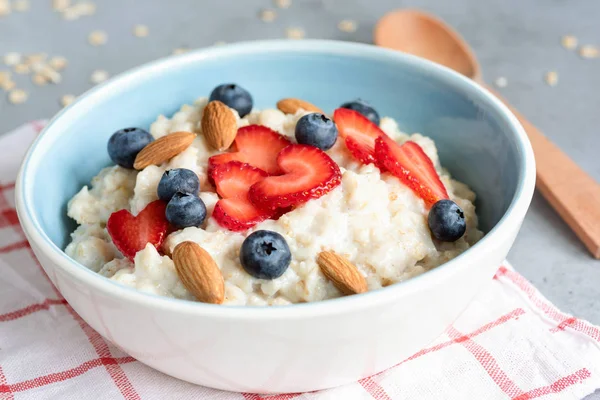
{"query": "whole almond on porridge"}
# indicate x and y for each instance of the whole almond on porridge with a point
(291, 106)
(219, 125)
(342, 273)
(199, 273)
(163, 149)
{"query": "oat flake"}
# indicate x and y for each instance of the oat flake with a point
(180, 50)
(140, 31)
(58, 63)
(268, 15)
(39, 80)
(294, 33)
(589, 51)
(67, 99)
(283, 3)
(60, 5)
(98, 76)
(501, 82)
(97, 38)
(347, 25)
(17, 96)
(22, 69)
(11, 59)
(551, 78)
(569, 42)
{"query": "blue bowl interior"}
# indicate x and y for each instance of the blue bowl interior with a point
(474, 141)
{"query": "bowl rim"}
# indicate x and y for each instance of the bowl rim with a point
(513, 216)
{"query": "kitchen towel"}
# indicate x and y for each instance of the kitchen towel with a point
(510, 343)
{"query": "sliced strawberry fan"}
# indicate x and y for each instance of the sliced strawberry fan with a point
(308, 173)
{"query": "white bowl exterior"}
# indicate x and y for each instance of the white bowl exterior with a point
(283, 355)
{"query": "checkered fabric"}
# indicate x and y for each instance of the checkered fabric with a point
(511, 343)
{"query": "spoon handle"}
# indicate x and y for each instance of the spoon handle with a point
(573, 193)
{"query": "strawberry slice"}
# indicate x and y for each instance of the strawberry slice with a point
(234, 210)
(413, 167)
(309, 173)
(359, 134)
(256, 145)
(131, 234)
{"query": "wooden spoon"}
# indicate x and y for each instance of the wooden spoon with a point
(572, 193)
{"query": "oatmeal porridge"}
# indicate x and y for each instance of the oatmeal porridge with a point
(359, 190)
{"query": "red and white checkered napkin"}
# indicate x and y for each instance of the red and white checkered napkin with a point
(510, 343)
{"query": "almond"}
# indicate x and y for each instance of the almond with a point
(199, 273)
(342, 273)
(163, 149)
(219, 125)
(291, 106)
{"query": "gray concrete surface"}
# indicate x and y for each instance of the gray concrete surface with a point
(517, 39)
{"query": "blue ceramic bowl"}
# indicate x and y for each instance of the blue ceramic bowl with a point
(479, 141)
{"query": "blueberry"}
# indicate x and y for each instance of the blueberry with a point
(234, 96)
(316, 130)
(177, 180)
(125, 144)
(185, 210)
(265, 255)
(364, 108)
(446, 221)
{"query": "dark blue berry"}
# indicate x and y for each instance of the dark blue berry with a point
(316, 130)
(233, 96)
(125, 144)
(265, 255)
(177, 180)
(364, 108)
(446, 221)
(185, 210)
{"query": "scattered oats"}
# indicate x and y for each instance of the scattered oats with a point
(98, 76)
(35, 58)
(21, 5)
(220, 43)
(551, 78)
(347, 25)
(85, 8)
(140, 31)
(22, 69)
(268, 15)
(283, 3)
(180, 50)
(58, 63)
(294, 33)
(589, 51)
(67, 99)
(60, 5)
(569, 42)
(97, 38)
(17, 96)
(501, 82)
(39, 79)
(11, 59)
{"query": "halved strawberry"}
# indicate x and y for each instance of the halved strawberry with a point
(413, 167)
(131, 234)
(359, 134)
(234, 210)
(309, 173)
(256, 145)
